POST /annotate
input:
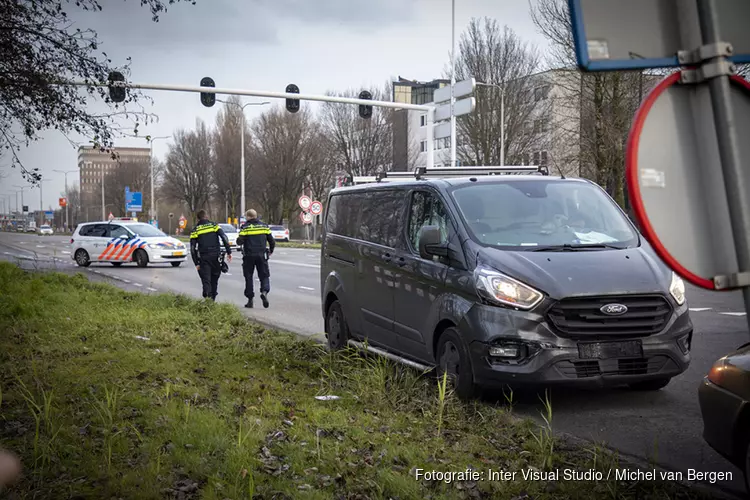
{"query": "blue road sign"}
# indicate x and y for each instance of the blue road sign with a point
(611, 35)
(49, 214)
(135, 201)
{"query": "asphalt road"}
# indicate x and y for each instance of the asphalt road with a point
(663, 427)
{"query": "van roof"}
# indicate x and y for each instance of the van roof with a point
(451, 182)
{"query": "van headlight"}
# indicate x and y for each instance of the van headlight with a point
(501, 289)
(677, 289)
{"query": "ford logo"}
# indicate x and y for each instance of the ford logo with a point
(614, 309)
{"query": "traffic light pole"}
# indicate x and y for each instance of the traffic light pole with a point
(281, 95)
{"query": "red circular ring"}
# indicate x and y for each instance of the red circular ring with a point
(631, 177)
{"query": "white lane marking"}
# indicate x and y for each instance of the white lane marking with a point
(97, 272)
(314, 266)
(734, 314)
(66, 252)
(228, 274)
(40, 246)
(136, 284)
(306, 288)
(122, 279)
(699, 309)
(150, 289)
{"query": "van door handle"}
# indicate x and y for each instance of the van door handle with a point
(401, 262)
(387, 257)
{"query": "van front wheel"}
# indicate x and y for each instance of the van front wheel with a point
(337, 331)
(453, 359)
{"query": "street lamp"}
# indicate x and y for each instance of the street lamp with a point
(67, 213)
(41, 201)
(21, 191)
(502, 118)
(242, 148)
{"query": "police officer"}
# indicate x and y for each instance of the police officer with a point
(205, 249)
(253, 237)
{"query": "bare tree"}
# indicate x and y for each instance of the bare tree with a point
(74, 204)
(321, 166)
(39, 45)
(498, 58)
(134, 175)
(359, 146)
(282, 146)
(599, 107)
(188, 171)
(227, 147)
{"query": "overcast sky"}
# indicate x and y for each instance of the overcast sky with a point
(264, 44)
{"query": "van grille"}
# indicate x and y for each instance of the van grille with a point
(581, 317)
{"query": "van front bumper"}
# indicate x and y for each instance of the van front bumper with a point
(553, 359)
(163, 256)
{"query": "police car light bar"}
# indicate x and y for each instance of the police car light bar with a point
(444, 173)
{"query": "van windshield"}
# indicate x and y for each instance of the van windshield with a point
(145, 230)
(536, 214)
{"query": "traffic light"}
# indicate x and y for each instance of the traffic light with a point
(292, 105)
(365, 111)
(208, 99)
(116, 93)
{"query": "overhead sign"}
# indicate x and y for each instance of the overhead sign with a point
(462, 107)
(63, 202)
(316, 207)
(676, 182)
(133, 201)
(637, 34)
(304, 202)
(460, 89)
(306, 217)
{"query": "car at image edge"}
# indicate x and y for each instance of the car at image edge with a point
(502, 279)
(122, 241)
(279, 233)
(45, 229)
(231, 232)
(724, 397)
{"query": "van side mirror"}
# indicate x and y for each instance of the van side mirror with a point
(430, 243)
(124, 237)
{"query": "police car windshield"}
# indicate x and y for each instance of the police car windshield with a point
(528, 215)
(145, 230)
(228, 228)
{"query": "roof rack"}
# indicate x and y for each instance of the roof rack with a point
(421, 173)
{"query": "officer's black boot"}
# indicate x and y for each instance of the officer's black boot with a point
(249, 304)
(264, 298)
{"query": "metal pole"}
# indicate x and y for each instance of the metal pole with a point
(41, 203)
(242, 164)
(430, 138)
(453, 83)
(736, 179)
(67, 211)
(502, 126)
(151, 168)
(104, 215)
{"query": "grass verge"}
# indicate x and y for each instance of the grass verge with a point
(111, 394)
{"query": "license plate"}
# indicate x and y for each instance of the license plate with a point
(608, 350)
(178, 254)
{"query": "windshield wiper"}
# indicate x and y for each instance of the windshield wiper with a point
(569, 247)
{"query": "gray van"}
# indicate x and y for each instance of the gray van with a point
(500, 279)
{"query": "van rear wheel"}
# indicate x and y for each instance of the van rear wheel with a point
(337, 331)
(453, 358)
(82, 258)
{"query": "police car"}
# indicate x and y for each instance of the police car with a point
(231, 232)
(124, 240)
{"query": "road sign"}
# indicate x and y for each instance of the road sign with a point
(460, 89)
(63, 202)
(111, 216)
(182, 222)
(134, 203)
(304, 202)
(637, 34)
(442, 130)
(462, 107)
(306, 217)
(25, 208)
(49, 214)
(316, 207)
(676, 183)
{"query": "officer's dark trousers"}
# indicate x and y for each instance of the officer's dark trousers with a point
(210, 271)
(249, 264)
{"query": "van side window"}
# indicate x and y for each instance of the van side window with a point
(117, 231)
(344, 213)
(382, 220)
(427, 210)
(97, 230)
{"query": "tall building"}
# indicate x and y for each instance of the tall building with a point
(409, 132)
(94, 166)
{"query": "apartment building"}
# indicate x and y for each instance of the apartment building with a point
(94, 166)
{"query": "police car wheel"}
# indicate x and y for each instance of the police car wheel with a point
(141, 258)
(82, 258)
(175, 264)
